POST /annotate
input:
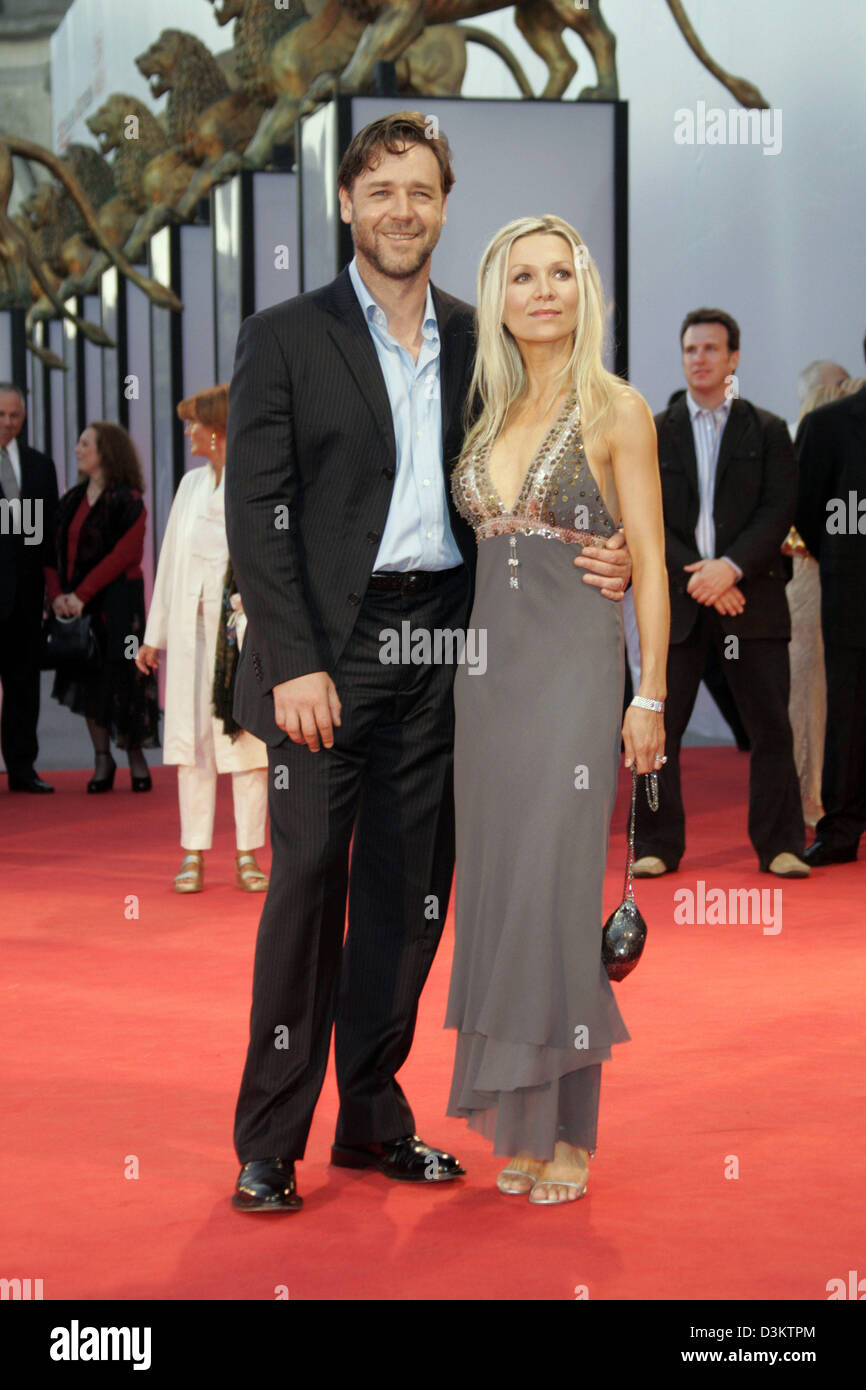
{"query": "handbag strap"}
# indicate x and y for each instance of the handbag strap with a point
(652, 796)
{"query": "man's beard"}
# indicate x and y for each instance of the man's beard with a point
(400, 267)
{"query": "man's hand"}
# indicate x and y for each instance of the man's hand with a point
(307, 709)
(608, 567)
(731, 603)
(710, 579)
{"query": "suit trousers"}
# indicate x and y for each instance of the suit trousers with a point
(386, 789)
(843, 782)
(759, 679)
(20, 637)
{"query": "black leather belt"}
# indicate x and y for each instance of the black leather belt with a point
(413, 583)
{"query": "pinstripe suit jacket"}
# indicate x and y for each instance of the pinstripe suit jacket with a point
(311, 464)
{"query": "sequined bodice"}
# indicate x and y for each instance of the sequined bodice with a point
(558, 498)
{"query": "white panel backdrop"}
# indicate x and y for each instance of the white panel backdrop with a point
(777, 240)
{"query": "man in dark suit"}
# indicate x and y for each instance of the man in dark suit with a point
(831, 518)
(729, 485)
(28, 499)
(344, 423)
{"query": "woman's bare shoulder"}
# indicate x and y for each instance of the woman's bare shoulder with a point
(629, 410)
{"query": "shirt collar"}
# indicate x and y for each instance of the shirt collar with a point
(376, 315)
(720, 410)
(12, 450)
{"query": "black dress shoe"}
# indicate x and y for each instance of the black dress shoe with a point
(407, 1160)
(267, 1184)
(819, 852)
(31, 783)
(141, 784)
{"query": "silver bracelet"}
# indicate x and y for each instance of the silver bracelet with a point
(643, 702)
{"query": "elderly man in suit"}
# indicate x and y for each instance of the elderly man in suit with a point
(831, 518)
(28, 498)
(345, 421)
(729, 486)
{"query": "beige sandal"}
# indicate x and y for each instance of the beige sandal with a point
(191, 876)
(248, 876)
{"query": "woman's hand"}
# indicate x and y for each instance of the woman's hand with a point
(147, 659)
(60, 606)
(643, 733)
(74, 606)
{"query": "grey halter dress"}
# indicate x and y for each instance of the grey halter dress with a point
(537, 744)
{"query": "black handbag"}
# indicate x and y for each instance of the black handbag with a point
(68, 641)
(623, 935)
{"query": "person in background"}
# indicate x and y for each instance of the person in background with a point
(27, 477)
(100, 531)
(807, 707)
(729, 486)
(821, 373)
(831, 447)
(193, 619)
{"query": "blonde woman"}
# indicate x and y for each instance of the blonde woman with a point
(560, 454)
(186, 612)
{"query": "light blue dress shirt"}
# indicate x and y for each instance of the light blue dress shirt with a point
(417, 533)
(708, 426)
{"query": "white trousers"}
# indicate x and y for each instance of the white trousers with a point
(197, 786)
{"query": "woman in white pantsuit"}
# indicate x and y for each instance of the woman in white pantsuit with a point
(184, 620)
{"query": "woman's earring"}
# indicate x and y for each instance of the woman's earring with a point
(213, 443)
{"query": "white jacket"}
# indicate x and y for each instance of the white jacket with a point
(192, 565)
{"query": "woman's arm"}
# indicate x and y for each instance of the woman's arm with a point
(53, 587)
(634, 456)
(126, 553)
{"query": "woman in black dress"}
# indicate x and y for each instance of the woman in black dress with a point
(100, 542)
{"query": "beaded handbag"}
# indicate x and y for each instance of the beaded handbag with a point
(624, 933)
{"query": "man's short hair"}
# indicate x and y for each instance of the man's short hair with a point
(13, 386)
(713, 316)
(390, 135)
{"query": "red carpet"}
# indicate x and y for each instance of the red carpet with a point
(124, 1039)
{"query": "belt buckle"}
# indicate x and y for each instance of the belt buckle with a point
(412, 583)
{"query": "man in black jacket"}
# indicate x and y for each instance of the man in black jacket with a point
(28, 500)
(344, 424)
(831, 518)
(729, 484)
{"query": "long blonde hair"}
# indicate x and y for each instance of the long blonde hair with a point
(499, 378)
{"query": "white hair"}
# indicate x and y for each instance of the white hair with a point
(821, 372)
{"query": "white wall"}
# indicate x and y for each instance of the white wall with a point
(93, 54)
(778, 241)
